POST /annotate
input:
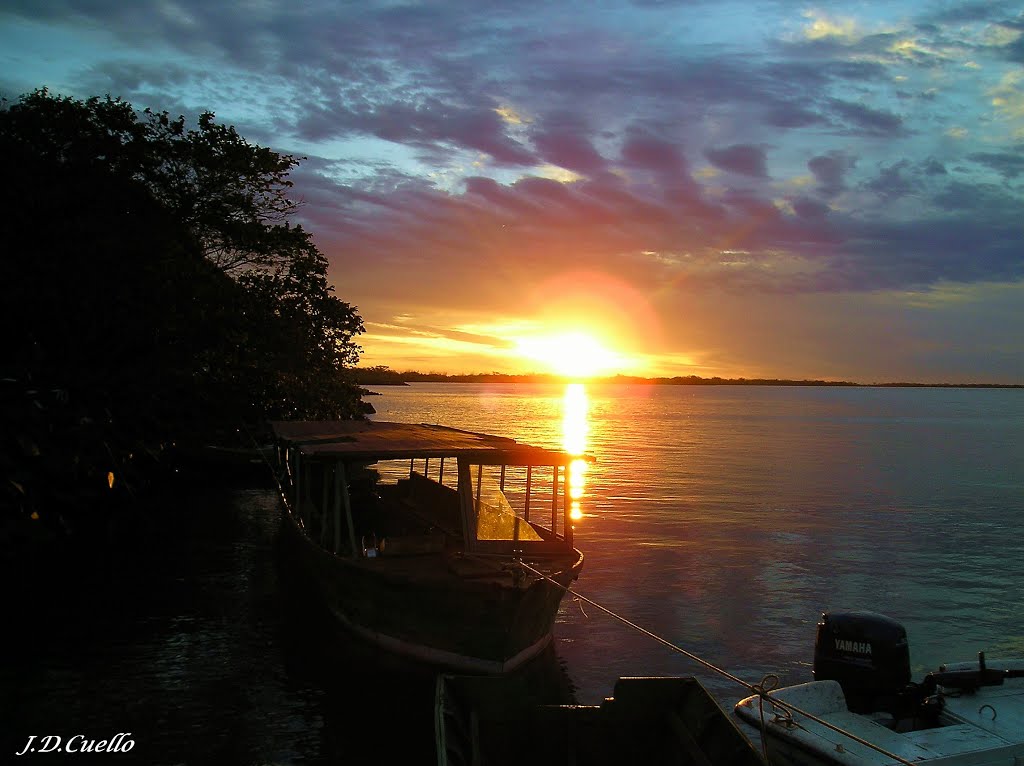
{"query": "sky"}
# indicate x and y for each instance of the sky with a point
(736, 189)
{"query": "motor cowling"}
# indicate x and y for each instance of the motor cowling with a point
(868, 654)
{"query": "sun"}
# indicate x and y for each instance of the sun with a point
(571, 354)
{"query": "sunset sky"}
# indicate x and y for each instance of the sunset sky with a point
(777, 189)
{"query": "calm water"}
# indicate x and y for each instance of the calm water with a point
(722, 518)
(725, 519)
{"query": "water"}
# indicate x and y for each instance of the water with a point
(725, 519)
(188, 642)
(722, 518)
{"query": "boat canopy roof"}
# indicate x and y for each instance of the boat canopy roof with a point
(360, 440)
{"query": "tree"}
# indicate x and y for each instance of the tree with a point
(152, 289)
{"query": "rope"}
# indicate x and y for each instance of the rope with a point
(768, 683)
(762, 690)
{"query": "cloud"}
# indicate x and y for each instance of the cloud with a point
(819, 26)
(430, 124)
(809, 208)
(860, 119)
(1008, 97)
(830, 170)
(567, 148)
(428, 331)
(646, 152)
(892, 181)
(792, 116)
(1015, 52)
(480, 145)
(742, 159)
(1008, 164)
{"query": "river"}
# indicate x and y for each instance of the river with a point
(724, 519)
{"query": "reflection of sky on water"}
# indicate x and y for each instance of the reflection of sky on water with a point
(727, 518)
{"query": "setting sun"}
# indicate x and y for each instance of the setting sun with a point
(573, 354)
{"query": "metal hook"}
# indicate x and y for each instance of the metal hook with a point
(990, 708)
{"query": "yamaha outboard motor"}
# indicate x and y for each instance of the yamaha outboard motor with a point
(867, 653)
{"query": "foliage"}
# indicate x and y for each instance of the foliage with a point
(151, 278)
(378, 375)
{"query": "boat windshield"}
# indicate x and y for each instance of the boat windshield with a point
(495, 517)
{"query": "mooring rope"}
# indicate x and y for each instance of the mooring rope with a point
(768, 683)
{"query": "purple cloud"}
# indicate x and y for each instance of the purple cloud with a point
(567, 148)
(742, 159)
(830, 171)
(863, 120)
(616, 99)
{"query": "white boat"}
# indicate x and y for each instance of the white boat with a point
(863, 710)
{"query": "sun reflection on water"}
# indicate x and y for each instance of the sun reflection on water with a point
(575, 429)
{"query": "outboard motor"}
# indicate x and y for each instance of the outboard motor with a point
(868, 654)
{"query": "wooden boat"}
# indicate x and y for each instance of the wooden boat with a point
(487, 721)
(422, 538)
(870, 714)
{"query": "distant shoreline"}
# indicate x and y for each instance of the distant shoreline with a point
(376, 377)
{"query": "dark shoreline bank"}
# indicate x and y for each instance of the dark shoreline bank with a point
(407, 378)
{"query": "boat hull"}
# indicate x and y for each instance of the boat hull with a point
(435, 608)
(982, 727)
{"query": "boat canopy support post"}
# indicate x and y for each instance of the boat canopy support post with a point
(566, 509)
(305, 513)
(324, 500)
(339, 475)
(479, 484)
(466, 502)
(341, 480)
(554, 500)
(526, 504)
(297, 487)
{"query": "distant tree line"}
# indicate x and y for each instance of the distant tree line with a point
(382, 375)
(152, 291)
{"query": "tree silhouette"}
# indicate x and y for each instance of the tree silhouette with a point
(152, 289)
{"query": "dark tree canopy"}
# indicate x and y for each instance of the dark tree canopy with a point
(152, 289)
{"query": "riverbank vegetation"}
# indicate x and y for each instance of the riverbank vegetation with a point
(153, 291)
(381, 375)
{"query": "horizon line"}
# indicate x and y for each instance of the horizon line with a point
(387, 376)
